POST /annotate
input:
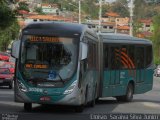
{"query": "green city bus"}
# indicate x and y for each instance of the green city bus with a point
(56, 64)
(126, 66)
(69, 64)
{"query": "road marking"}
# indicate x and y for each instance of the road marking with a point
(151, 104)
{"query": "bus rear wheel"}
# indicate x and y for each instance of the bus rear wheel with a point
(27, 106)
(129, 94)
(79, 109)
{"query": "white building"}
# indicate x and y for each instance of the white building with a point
(50, 8)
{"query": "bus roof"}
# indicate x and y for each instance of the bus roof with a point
(122, 38)
(48, 28)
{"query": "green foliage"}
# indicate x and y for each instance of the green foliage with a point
(121, 7)
(23, 6)
(156, 60)
(148, 10)
(105, 8)
(39, 10)
(9, 27)
(136, 27)
(156, 38)
(6, 15)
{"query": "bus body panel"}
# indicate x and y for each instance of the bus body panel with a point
(114, 81)
(56, 95)
(147, 82)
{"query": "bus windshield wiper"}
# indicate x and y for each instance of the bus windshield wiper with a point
(46, 80)
(60, 78)
(36, 79)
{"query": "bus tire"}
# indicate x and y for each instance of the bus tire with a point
(129, 94)
(92, 103)
(86, 97)
(79, 109)
(27, 106)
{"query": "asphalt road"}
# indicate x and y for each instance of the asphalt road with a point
(143, 103)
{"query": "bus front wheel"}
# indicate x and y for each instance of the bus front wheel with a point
(79, 109)
(27, 106)
(92, 103)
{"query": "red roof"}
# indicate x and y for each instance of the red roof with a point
(23, 12)
(123, 27)
(112, 14)
(47, 5)
(49, 17)
(146, 21)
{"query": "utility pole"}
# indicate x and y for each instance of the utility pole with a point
(116, 26)
(79, 12)
(100, 16)
(131, 18)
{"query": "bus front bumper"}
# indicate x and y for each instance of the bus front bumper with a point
(74, 98)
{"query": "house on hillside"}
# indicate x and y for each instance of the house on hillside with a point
(123, 29)
(146, 28)
(146, 25)
(50, 8)
(110, 17)
(111, 23)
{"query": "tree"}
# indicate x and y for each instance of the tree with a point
(156, 38)
(121, 7)
(38, 10)
(6, 15)
(9, 27)
(105, 8)
(136, 27)
(90, 8)
(23, 6)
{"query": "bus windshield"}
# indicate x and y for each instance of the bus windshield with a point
(48, 58)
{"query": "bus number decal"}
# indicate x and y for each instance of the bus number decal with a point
(35, 90)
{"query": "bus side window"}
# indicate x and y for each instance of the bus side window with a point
(131, 54)
(83, 69)
(105, 54)
(115, 57)
(91, 56)
(140, 57)
(149, 56)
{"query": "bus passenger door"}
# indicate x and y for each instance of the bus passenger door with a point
(140, 72)
(111, 73)
(106, 87)
(114, 69)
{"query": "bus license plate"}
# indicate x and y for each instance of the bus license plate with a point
(45, 98)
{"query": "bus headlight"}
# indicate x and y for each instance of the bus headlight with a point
(21, 86)
(70, 89)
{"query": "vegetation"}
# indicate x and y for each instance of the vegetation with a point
(38, 10)
(121, 7)
(156, 38)
(23, 6)
(149, 10)
(9, 27)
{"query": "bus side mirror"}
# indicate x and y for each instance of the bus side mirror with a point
(15, 49)
(84, 51)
